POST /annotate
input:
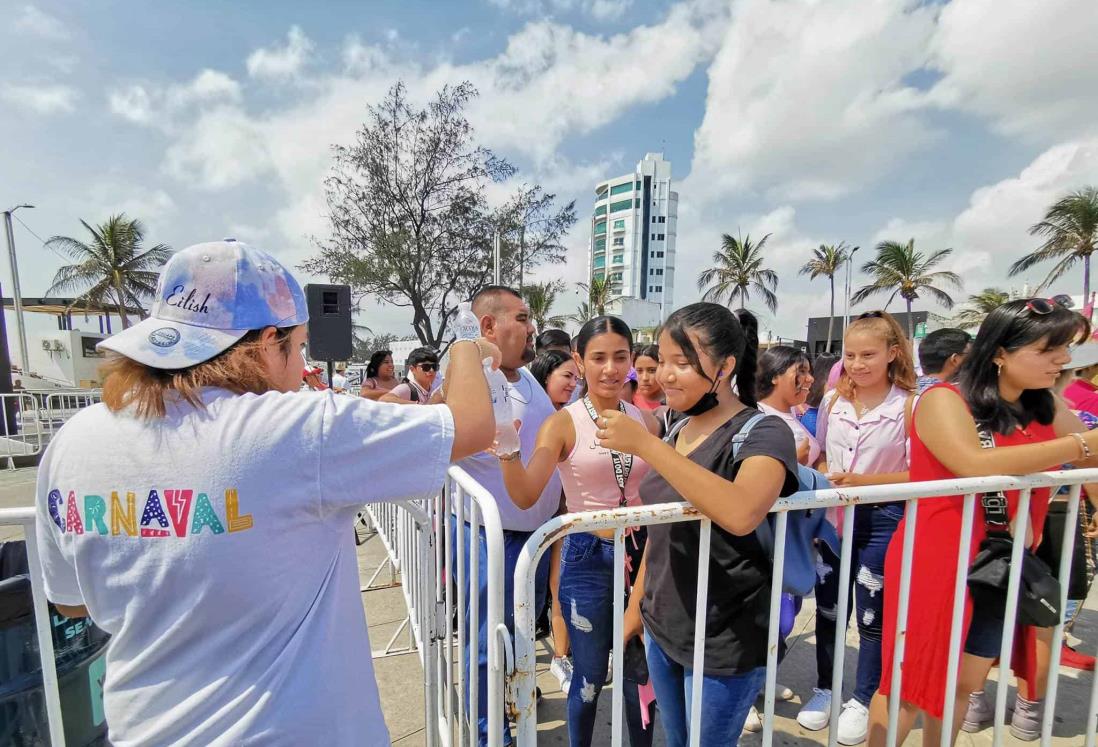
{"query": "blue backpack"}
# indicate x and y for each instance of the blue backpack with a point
(803, 527)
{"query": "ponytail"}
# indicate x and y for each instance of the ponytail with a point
(749, 360)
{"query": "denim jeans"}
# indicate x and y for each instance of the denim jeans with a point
(587, 602)
(874, 526)
(726, 700)
(512, 546)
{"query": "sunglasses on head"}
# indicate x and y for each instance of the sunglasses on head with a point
(427, 367)
(1042, 306)
(872, 315)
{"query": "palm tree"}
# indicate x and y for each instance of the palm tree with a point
(583, 314)
(826, 261)
(978, 307)
(738, 272)
(540, 298)
(900, 270)
(117, 268)
(599, 294)
(1070, 230)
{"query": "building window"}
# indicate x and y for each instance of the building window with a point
(619, 241)
(619, 225)
(600, 244)
(600, 228)
(620, 189)
(617, 207)
(663, 219)
(655, 220)
(661, 237)
(618, 259)
(657, 272)
(659, 289)
(638, 185)
(638, 203)
(659, 254)
(600, 210)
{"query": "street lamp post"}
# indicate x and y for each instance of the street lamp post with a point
(17, 296)
(846, 300)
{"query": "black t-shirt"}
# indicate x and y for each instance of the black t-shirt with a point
(739, 568)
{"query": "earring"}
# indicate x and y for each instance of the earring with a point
(999, 367)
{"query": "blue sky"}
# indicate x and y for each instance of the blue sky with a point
(848, 120)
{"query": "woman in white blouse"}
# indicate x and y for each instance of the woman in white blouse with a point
(782, 383)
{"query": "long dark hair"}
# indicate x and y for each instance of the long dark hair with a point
(774, 362)
(722, 334)
(602, 325)
(821, 369)
(647, 350)
(373, 368)
(546, 363)
(1010, 327)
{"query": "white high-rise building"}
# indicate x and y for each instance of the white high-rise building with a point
(633, 229)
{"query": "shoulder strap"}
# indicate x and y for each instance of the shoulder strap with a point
(741, 436)
(413, 393)
(831, 403)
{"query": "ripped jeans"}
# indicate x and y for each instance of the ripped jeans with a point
(873, 528)
(587, 601)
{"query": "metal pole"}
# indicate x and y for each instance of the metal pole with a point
(522, 254)
(16, 294)
(495, 259)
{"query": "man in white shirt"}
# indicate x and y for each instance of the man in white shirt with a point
(505, 320)
(201, 513)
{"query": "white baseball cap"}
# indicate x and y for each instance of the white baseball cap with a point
(209, 296)
(1083, 356)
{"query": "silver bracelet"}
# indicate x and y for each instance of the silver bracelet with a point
(1082, 444)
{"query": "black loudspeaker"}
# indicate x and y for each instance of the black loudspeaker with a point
(329, 322)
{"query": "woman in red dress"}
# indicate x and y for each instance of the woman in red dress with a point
(1004, 386)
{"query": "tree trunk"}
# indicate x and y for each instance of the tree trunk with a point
(910, 331)
(121, 298)
(831, 318)
(1086, 279)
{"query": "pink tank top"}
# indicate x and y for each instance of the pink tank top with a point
(587, 474)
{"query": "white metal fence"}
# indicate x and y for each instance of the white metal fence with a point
(620, 519)
(30, 418)
(437, 561)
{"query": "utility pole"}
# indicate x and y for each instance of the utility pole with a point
(16, 294)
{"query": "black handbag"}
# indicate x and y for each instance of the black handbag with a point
(1038, 591)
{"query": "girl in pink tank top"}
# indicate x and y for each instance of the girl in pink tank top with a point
(594, 478)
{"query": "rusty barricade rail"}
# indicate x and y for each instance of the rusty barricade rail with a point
(523, 677)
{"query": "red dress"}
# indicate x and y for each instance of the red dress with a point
(934, 573)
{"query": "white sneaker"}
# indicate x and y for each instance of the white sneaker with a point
(853, 722)
(815, 714)
(754, 721)
(783, 693)
(561, 668)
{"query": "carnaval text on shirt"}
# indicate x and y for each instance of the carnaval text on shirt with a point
(171, 512)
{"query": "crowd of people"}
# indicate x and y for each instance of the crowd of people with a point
(232, 594)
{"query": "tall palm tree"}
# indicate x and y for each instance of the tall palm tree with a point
(900, 270)
(738, 272)
(978, 307)
(583, 314)
(113, 268)
(1070, 230)
(540, 298)
(599, 293)
(826, 261)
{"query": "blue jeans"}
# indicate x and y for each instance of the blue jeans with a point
(726, 699)
(874, 526)
(512, 546)
(587, 602)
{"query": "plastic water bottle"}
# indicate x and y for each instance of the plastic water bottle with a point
(467, 327)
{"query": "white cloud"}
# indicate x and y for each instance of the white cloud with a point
(33, 21)
(222, 149)
(143, 104)
(992, 231)
(601, 10)
(281, 62)
(40, 98)
(609, 10)
(1030, 67)
(806, 99)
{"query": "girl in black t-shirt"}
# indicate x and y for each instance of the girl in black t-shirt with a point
(701, 348)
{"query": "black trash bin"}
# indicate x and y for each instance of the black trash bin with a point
(80, 653)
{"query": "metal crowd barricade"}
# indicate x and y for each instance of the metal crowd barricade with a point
(25, 518)
(911, 493)
(27, 438)
(425, 543)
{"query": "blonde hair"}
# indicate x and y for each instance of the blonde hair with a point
(240, 369)
(901, 370)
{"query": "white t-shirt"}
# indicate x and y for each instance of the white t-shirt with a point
(216, 548)
(532, 406)
(339, 381)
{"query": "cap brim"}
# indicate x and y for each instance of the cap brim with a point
(170, 345)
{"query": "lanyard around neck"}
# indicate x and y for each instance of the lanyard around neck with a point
(623, 463)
